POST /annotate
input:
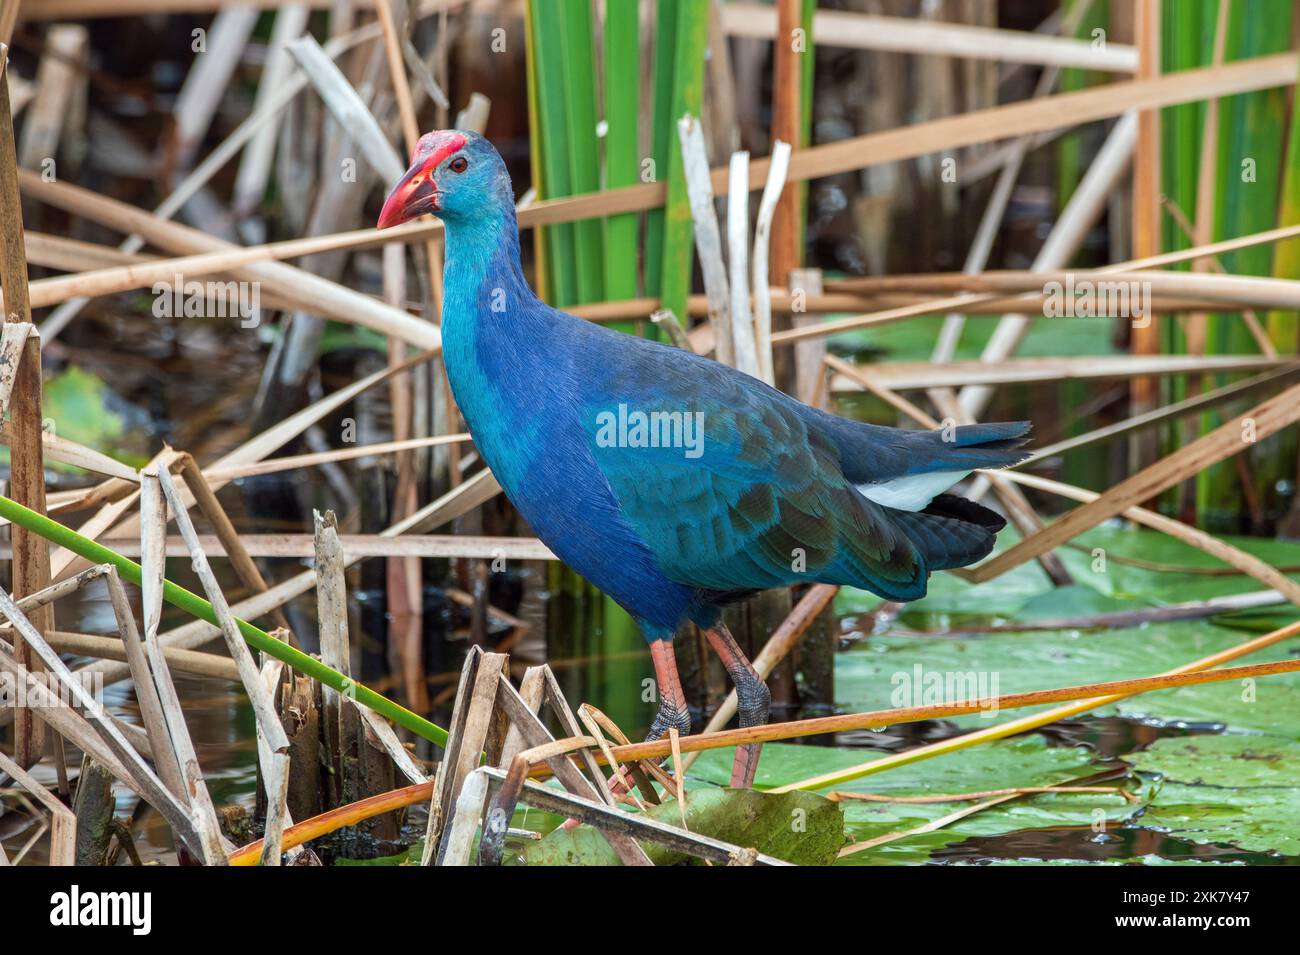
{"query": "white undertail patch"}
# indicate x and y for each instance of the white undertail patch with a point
(913, 492)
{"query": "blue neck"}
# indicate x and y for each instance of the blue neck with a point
(490, 321)
(483, 269)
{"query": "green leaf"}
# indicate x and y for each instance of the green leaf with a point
(1022, 761)
(802, 828)
(1242, 790)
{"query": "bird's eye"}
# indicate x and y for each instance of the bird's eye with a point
(459, 164)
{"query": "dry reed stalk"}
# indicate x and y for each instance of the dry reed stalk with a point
(867, 31)
(787, 126)
(359, 546)
(309, 292)
(255, 164)
(393, 53)
(931, 826)
(1206, 190)
(807, 303)
(1023, 280)
(289, 463)
(110, 648)
(94, 9)
(1245, 562)
(63, 823)
(1202, 289)
(404, 576)
(1195, 323)
(331, 619)
(905, 376)
(1013, 158)
(465, 818)
(1232, 437)
(955, 281)
(1188, 610)
(152, 713)
(387, 737)
(206, 82)
(263, 706)
(1176, 409)
(772, 189)
(56, 591)
(66, 451)
(1067, 235)
(708, 240)
(57, 77)
(1144, 393)
(467, 732)
(98, 720)
(208, 843)
(231, 543)
(745, 346)
(967, 797)
(31, 563)
(809, 374)
(64, 563)
(531, 693)
(71, 724)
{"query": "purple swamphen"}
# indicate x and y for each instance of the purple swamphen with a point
(673, 483)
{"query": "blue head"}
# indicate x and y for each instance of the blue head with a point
(457, 176)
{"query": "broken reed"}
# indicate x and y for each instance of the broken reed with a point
(195, 605)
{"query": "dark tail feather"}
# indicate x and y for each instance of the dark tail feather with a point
(951, 532)
(961, 509)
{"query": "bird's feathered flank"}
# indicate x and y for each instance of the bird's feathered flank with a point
(671, 482)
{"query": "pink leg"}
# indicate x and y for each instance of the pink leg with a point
(753, 701)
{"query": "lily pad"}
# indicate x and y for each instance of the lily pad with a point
(1233, 789)
(881, 673)
(802, 828)
(1022, 761)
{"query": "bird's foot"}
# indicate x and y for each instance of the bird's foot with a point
(669, 716)
(672, 714)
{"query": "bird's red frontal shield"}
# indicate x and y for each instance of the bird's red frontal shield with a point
(416, 193)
